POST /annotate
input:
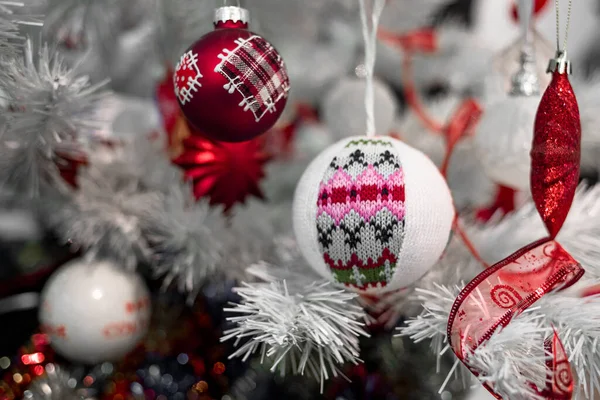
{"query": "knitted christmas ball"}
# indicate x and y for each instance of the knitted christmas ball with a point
(373, 214)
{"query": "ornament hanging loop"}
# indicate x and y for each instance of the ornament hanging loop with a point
(560, 63)
(370, 37)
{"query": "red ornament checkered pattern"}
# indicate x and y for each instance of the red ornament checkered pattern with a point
(256, 70)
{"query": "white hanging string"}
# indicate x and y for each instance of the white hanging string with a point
(370, 36)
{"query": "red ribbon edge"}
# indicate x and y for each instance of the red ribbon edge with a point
(551, 283)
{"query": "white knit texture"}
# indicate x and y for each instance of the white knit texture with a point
(428, 217)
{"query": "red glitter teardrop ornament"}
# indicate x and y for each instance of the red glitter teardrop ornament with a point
(556, 150)
(232, 84)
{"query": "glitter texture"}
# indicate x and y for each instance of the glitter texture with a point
(556, 153)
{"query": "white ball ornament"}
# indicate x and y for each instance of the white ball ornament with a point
(344, 108)
(373, 214)
(94, 311)
(503, 140)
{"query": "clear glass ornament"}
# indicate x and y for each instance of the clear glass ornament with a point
(504, 138)
(510, 61)
(505, 132)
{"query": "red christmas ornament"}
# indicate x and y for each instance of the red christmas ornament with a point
(556, 150)
(232, 84)
(68, 163)
(226, 173)
(538, 6)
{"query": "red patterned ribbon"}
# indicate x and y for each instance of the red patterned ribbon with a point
(418, 41)
(561, 377)
(505, 290)
(461, 124)
(504, 202)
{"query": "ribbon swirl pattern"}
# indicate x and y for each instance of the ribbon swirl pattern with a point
(505, 290)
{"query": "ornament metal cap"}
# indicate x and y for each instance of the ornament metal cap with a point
(560, 63)
(231, 13)
(525, 81)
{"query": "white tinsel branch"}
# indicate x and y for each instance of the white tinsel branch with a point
(48, 106)
(10, 39)
(258, 232)
(433, 321)
(103, 215)
(187, 239)
(181, 22)
(74, 21)
(513, 358)
(9, 29)
(143, 159)
(302, 324)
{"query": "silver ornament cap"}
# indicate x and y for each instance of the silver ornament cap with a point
(525, 82)
(231, 13)
(560, 63)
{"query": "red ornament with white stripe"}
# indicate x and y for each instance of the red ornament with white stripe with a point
(232, 84)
